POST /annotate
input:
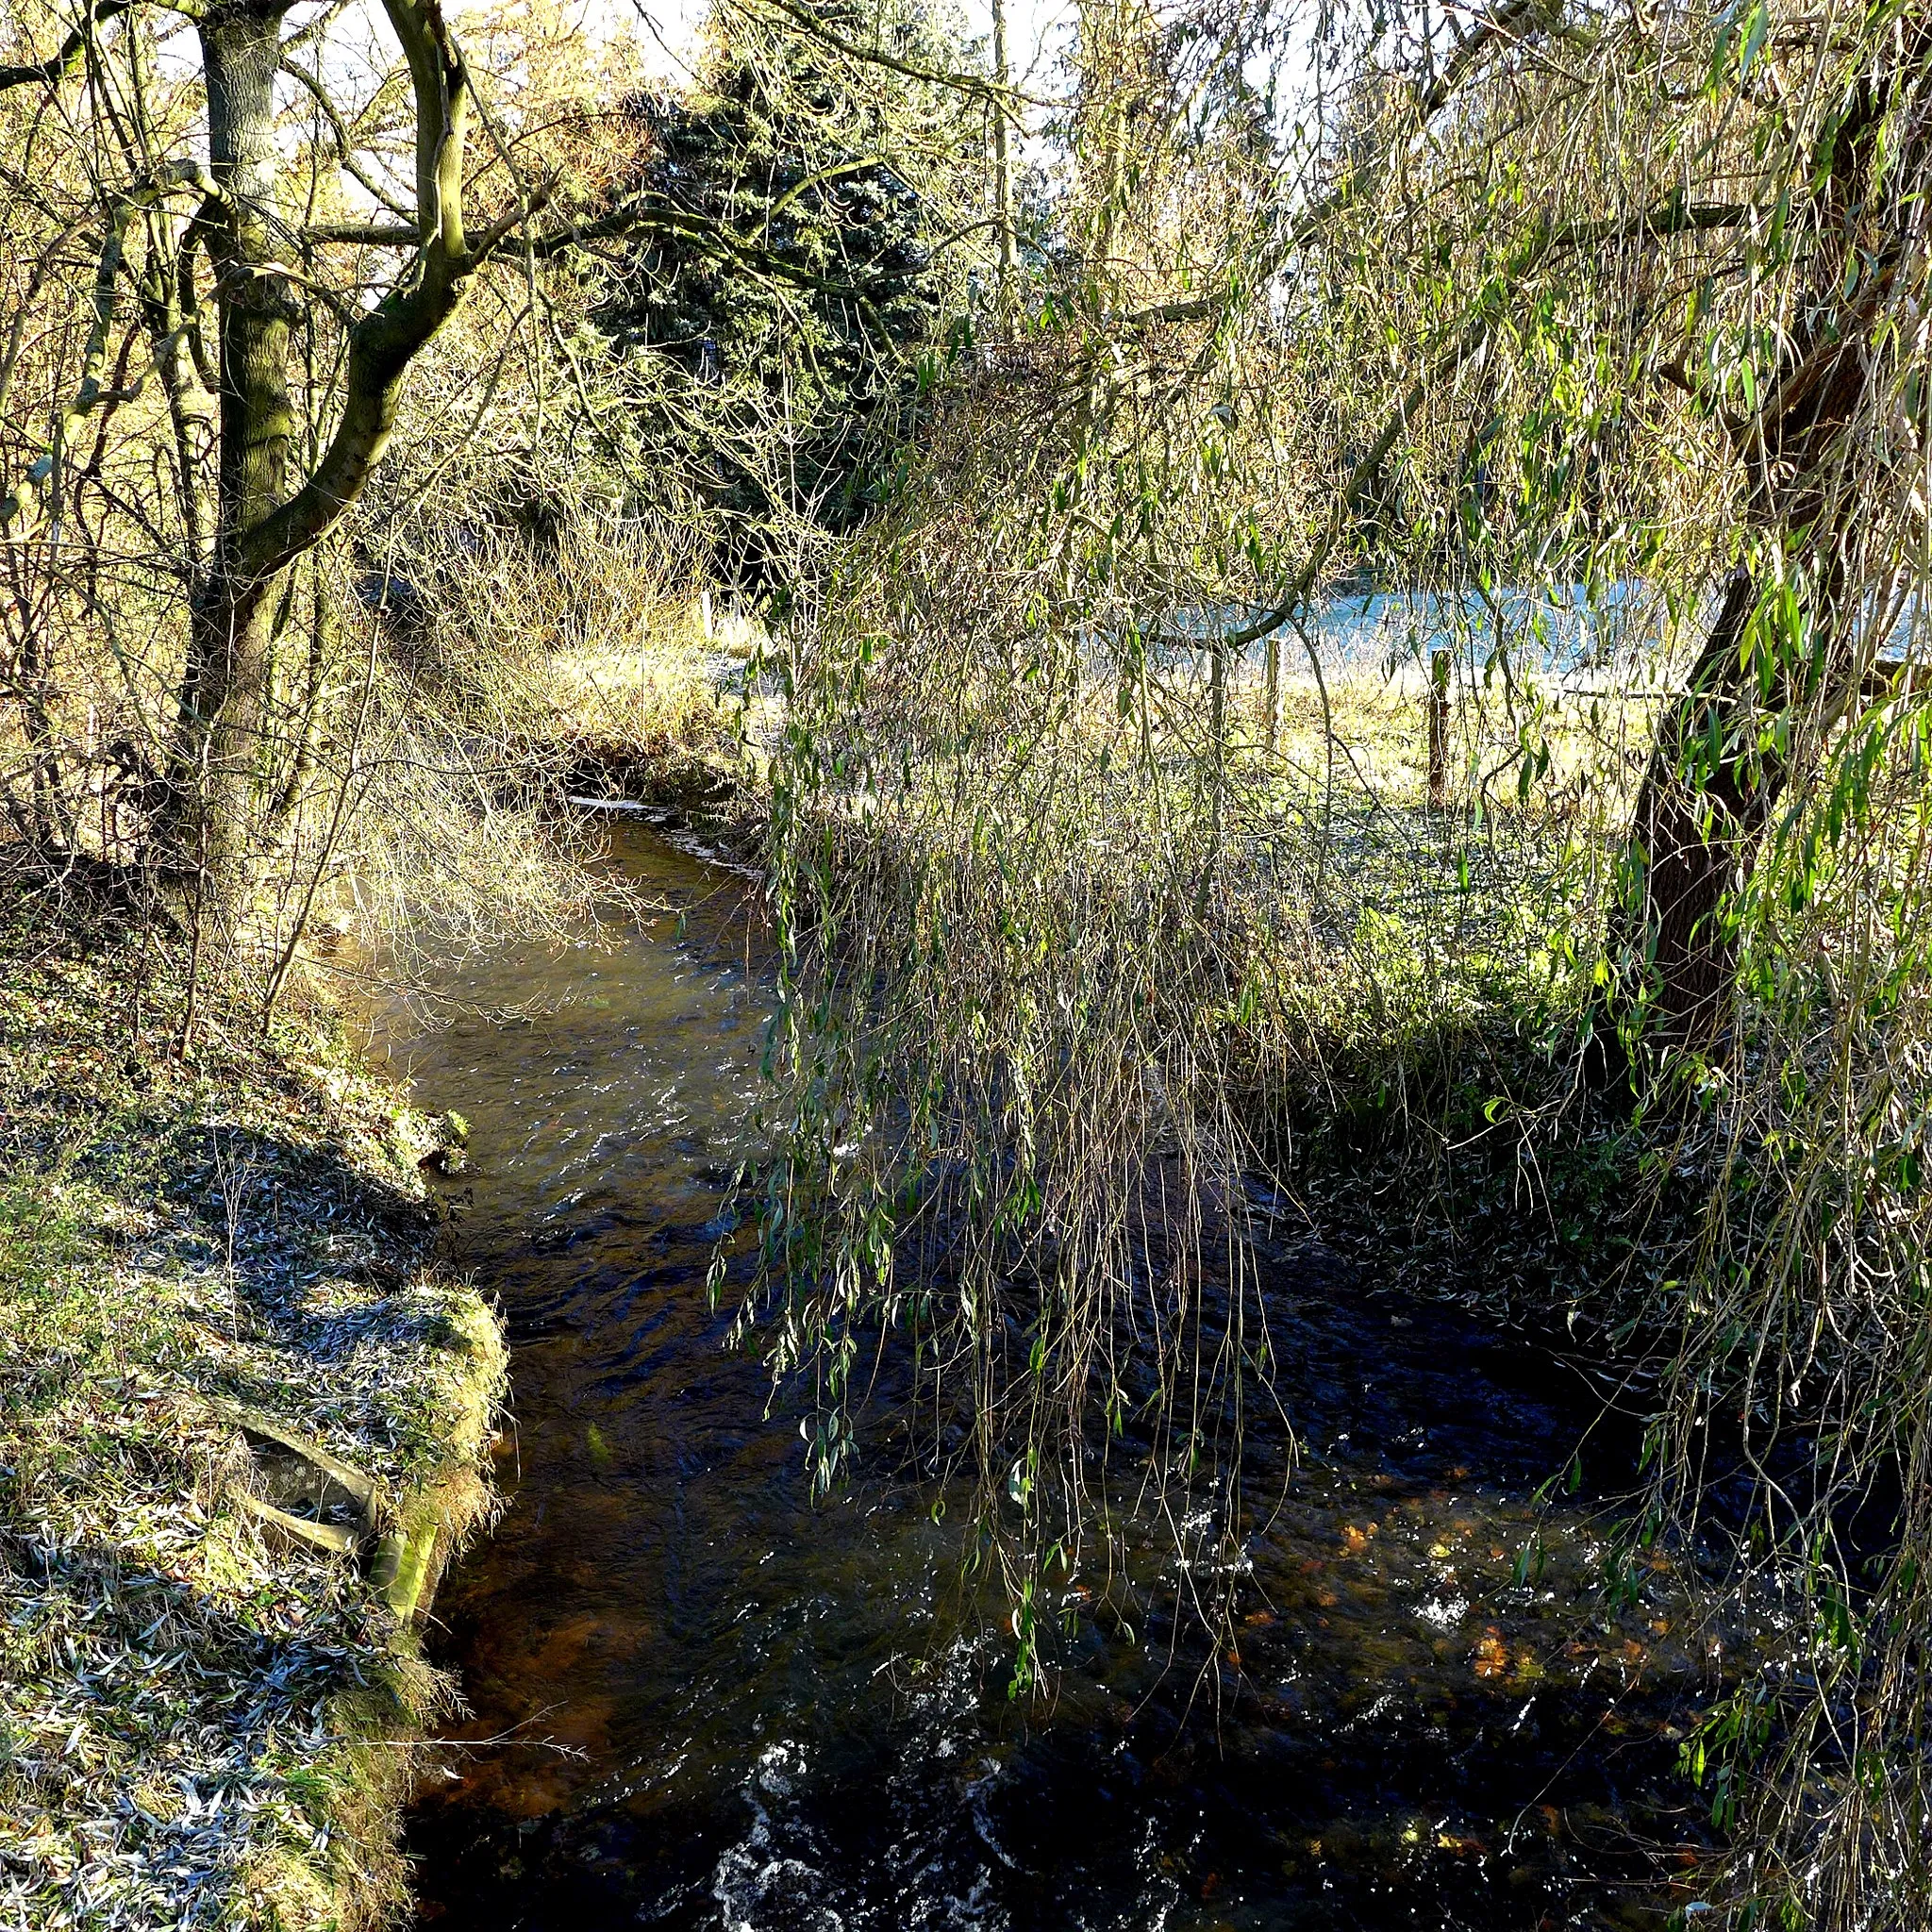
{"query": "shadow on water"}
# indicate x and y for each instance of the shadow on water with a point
(698, 1702)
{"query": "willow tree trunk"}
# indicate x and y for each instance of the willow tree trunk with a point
(224, 760)
(1829, 454)
(1694, 837)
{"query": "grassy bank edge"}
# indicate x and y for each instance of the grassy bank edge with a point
(204, 1719)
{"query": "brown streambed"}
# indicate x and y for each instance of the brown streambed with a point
(698, 1702)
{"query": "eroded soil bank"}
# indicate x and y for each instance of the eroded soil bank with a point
(698, 1702)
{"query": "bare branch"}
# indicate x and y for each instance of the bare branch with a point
(345, 147)
(56, 66)
(43, 475)
(1004, 100)
(364, 234)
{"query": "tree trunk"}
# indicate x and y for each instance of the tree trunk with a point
(222, 756)
(223, 765)
(1693, 841)
(1825, 451)
(225, 781)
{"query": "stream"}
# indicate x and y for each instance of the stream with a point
(697, 1700)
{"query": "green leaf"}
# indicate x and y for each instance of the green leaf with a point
(1755, 28)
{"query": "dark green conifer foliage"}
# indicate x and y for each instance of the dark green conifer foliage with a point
(849, 182)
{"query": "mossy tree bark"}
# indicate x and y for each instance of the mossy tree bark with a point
(220, 749)
(223, 764)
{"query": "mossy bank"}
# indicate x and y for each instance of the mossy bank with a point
(242, 1425)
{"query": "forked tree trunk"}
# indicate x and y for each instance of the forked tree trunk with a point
(224, 765)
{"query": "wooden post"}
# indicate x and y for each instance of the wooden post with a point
(1438, 730)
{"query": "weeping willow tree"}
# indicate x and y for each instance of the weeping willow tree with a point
(1593, 337)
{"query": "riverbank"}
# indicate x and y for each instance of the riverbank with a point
(242, 1427)
(676, 720)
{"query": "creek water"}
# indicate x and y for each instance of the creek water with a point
(696, 1700)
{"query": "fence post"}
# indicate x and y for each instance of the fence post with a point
(1438, 730)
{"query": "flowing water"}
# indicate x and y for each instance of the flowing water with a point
(698, 1701)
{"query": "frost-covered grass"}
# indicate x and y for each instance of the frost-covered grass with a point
(199, 1723)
